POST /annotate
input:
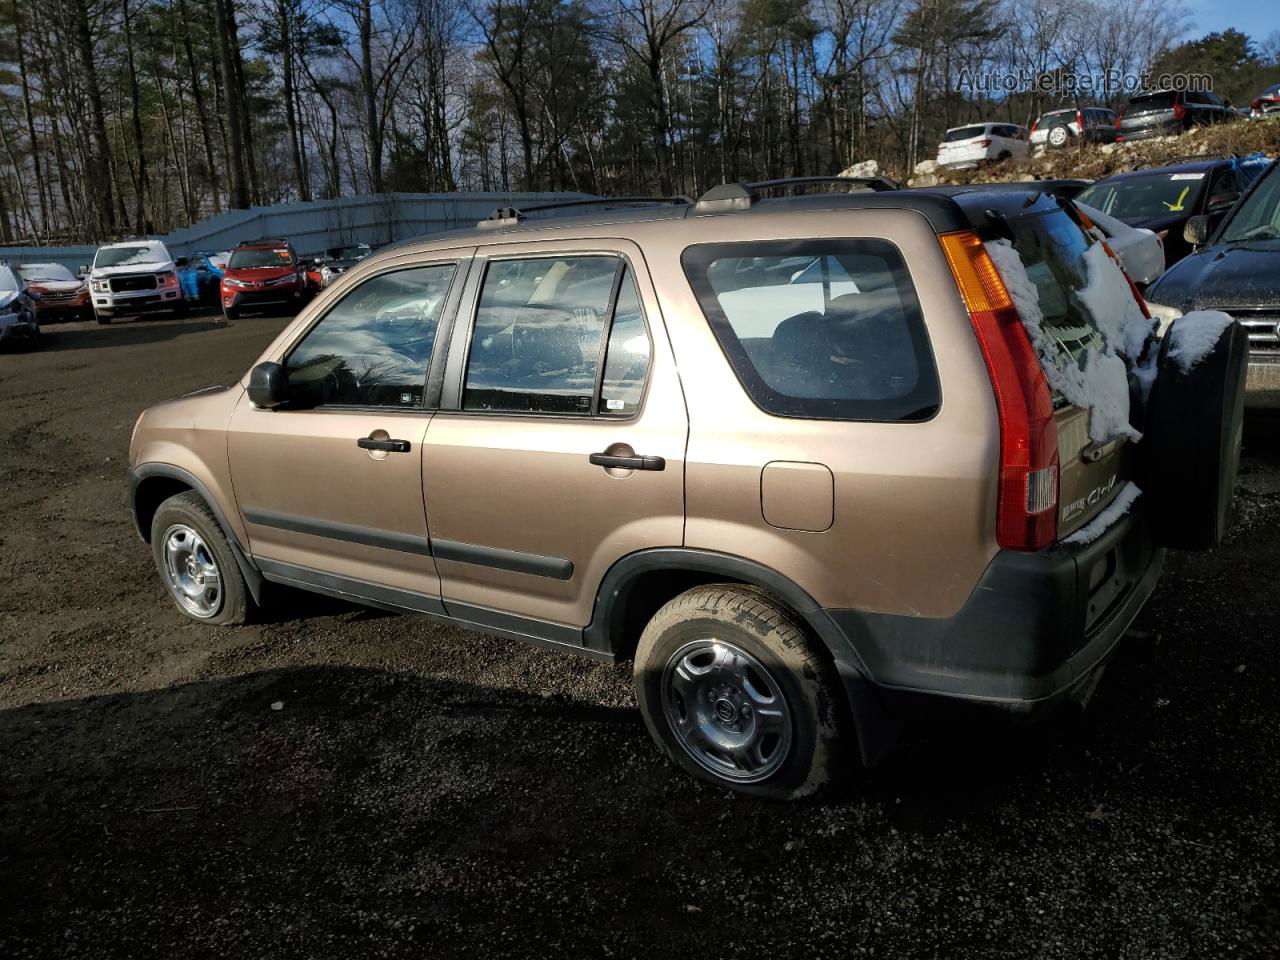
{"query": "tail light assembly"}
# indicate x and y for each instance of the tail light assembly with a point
(1179, 112)
(1027, 500)
(984, 143)
(1080, 121)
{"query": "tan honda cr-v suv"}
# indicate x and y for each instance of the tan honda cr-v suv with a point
(808, 459)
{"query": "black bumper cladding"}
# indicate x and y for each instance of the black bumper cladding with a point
(1037, 626)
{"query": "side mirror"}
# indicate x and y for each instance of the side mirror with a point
(268, 386)
(1221, 203)
(1196, 230)
(83, 270)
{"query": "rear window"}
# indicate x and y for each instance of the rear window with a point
(1146, 196)
(1052, 248)
(964, 133)
(1153, 101)
(822, 329)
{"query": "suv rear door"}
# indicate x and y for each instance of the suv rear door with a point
(1091, 471)
(559, 446)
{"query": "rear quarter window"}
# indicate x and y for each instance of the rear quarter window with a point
(820, 329)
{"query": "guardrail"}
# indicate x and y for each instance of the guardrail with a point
(315, 225)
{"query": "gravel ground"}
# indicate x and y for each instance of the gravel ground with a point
(424, 791)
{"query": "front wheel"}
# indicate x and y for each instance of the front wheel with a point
(230, 313)
(102, 318)
(196, 562)
(736, 693)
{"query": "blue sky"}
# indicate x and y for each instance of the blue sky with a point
(1257, 18)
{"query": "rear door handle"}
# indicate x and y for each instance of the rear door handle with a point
(391, 446)
(628, 463)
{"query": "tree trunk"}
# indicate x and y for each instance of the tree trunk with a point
(99, 155)
(231, 94)
(284, 9)
(142, 187)
(374, 131)
(20, 52)
(206, 132)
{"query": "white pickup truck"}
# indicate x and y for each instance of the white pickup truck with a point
(135, 276)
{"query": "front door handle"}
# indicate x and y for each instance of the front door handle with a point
(628, 463)
(391, 446)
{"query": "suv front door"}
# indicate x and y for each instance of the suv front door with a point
(330, 484)
(559, 445)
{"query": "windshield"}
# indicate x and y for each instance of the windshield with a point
(964, 133)
(354, 252)
(8, 282)
(1147, 196)
(1258, 217)
(1271, 91)
(278, 257)
(35, 272)
(126, 256)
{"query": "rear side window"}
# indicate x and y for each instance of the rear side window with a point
(558, 335)
(821, 329)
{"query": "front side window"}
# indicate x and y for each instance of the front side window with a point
(823, 329)
(372, 349)
(542, 327)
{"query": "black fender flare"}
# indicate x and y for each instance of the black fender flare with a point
(252, 575)
(878, 732)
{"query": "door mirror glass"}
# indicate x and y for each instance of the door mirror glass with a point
(1196, 230)
(268, 386)
(373, 347)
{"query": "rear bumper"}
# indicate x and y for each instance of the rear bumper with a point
(1036, 628)
(1169, 128)
(17, 330)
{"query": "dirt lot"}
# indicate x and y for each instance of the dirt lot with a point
(430, 792)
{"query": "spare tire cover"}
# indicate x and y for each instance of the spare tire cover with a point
(1193, 429)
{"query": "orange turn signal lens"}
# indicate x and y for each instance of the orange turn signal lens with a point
(976, 276)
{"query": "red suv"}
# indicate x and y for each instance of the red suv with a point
(264, 275)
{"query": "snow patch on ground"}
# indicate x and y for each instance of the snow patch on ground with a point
(1113, 511)
(1195, 336)
(1101, 386)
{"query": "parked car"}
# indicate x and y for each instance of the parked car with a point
(18, 322)
(63, 295)
(337, 260)
(1170, 113)
(1059, 128)
(978, 143)
(1236, 268)
(1267, 104)
(200, 277)
(798, 546)
(133, 277)
(264, 275)
(1163, 199)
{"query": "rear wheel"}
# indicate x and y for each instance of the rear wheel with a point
(1194, 426)
(736, 693)
(196, 562)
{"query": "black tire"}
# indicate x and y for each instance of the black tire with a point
(188, 510)
(102, 319)
(796, 670)
(1065, 137)
(182, 310)
(230, 313)
(1194, 426)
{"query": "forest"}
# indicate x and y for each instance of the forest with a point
(128, 117)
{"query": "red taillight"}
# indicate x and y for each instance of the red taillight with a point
(1035, 124)
(984, 143)
(1257, 104)
(1026, 514)
(1179, 111)
(1080, 121)
(1119, 117)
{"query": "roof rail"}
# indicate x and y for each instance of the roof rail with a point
(246, 243)
(740, 196)
(506, 216)
(1197, 158)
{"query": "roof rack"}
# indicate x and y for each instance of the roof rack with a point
(740, 196)
(246, 243)
(506, 216)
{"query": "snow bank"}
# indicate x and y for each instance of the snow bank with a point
(1113, 511)
(1196, 334)
(1101, 386)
